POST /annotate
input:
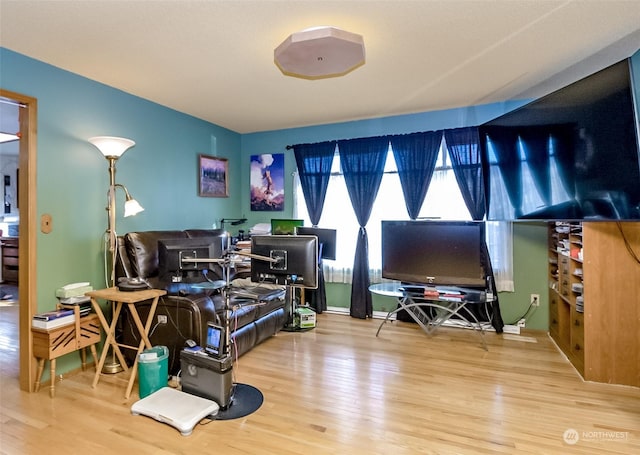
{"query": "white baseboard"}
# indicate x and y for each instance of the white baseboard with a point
(383, 314)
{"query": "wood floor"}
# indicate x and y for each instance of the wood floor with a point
(338, 389)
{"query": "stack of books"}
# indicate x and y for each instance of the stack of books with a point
(74, 294)
(53, 319)
(69, 296)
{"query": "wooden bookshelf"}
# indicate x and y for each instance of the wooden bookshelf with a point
(594, 281)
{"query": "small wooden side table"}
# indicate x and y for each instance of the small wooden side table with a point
(49, 344)
(119, 298)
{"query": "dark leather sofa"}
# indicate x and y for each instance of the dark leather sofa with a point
(257, 312)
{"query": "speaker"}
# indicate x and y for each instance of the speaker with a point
(207, 377)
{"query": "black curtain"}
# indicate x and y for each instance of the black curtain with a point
(415, 156)
(362, 162)
(314, 169)
(463, 145)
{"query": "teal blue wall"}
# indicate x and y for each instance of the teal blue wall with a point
(161, 171)
(530, 261)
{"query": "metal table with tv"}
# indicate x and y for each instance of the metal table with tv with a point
(431, 307)
(441, 270)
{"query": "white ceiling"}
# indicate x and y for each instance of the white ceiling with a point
(213, 59)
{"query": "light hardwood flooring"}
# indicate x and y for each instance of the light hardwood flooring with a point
(340, 390)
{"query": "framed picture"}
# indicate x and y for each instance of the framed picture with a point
(214, 176)
(267, 182)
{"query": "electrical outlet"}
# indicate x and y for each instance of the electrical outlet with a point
(513, 329)
(535, 299)
(162, 319)
(521, 323)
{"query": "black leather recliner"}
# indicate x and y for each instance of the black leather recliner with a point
(187, 309)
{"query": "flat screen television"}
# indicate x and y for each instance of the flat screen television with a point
(174, 255)
(294, 260)
(438, 253)
(326, 240)
(281, 226)
(570, 155)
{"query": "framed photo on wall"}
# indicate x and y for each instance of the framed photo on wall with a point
(267, 182)
(213, 178)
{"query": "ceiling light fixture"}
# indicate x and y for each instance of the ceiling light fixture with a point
(320, 52)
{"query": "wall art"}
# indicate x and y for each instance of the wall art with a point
(267, 182)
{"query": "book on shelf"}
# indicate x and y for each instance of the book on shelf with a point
(54, 314)
(53, 323)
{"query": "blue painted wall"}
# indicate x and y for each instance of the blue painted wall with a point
(161, 171)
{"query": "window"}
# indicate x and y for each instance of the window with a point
(443, 200)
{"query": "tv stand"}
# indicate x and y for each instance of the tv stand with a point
(448, 303)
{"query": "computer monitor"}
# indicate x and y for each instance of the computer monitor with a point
(214, 345)
(281, 226)
(291, 260)
(326, 240)
(174, 255)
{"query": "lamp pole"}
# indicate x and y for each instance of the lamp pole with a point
(112, 148)
(111, 218)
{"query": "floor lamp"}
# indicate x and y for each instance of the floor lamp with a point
(112, 148)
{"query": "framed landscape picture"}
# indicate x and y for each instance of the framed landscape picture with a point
(214, 173)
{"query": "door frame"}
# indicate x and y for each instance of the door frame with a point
(27, 234)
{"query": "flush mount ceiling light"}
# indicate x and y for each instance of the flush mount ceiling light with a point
(320, 52)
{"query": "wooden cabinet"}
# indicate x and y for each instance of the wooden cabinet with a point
(49, 344)
(9, 259)
(594, 281)
(565, 290)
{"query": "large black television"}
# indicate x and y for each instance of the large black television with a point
(293, 260)
(435, 253)
(326, 240)
(174, 255)
(570, 155)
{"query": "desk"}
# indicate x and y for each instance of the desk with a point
(119, 298)
(444, 307)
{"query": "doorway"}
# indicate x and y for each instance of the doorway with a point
(27, 118)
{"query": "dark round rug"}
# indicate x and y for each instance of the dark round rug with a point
(245, 400)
